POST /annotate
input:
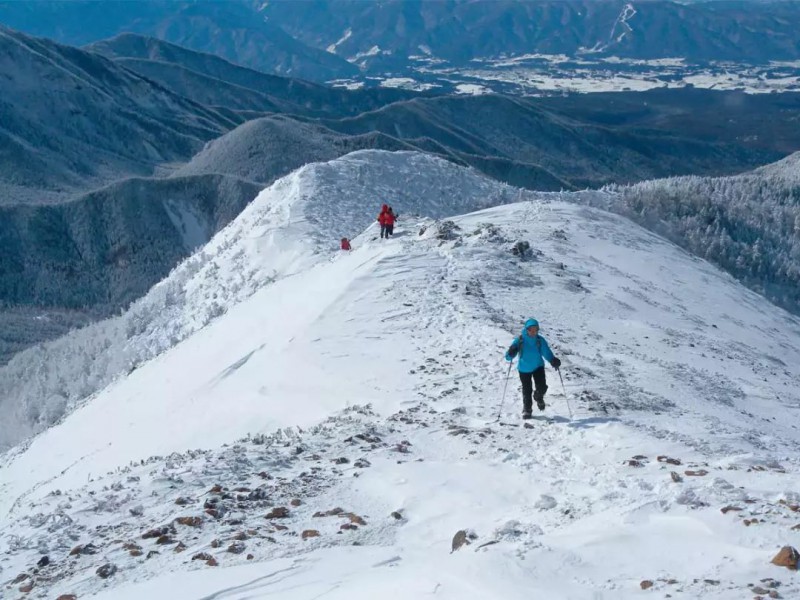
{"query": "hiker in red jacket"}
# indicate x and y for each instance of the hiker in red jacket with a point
(382, 220)
(389, 220)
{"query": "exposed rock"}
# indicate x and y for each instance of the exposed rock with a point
(675, 477)
(331, 513)
(397, 515)
(296, 502)
(137, 511)
(699, 473)
(459, 539)
(86, 550)
(216, 543)
(725, 510)
(634, 463)
(362, 463)
(67, 597)
(43, 562)
(20, 578)
(640, 457)
(309, 533)
(190, 521)
(354, 518)
(165, 539)
(212, 562)
(348, 527)
(749, 522)
(182, 501)
(135, 552)
(158, 532)
(236, 548)
(217, 489)
(180, 547)
(241, 536)
(646, 584)
(668, 460)
(27, 587)
(202, 556)
(152, 553)
(106, 571)
(787, 557)
(757, 589)
(279, 512)
(341, 460)
(280, 527)
(250, 557)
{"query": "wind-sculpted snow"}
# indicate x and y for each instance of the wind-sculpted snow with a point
(288, 227)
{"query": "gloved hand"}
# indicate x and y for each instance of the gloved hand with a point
(509, 358)
(556, 363)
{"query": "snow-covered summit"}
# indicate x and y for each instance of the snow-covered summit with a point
(338, 422)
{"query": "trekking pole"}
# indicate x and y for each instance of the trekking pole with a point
(505, 387)
(565, 394)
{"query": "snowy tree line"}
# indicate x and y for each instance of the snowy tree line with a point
(748, 225)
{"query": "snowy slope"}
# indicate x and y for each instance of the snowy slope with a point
(291, 225)
(371, 380)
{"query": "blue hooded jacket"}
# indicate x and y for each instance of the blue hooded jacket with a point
(534, 350)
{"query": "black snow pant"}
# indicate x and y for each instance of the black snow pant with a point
(528, 380)
(385, 230)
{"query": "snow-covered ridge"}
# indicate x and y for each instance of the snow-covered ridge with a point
(288, 227)
(681, 385)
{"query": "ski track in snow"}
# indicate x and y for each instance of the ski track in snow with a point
(400, 344)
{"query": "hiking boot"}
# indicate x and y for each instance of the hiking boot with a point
(540, 403)
(527, 414)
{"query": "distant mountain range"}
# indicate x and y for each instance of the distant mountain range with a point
(323, 40)
(119, 159)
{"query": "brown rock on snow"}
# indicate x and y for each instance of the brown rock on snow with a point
(787, 557)
(20, 578)
(27, 587)
(279, 512)
(217, 489)
(668, 460)
(190, 521)
(106, 571)
(67, 597)
(135, 552)
(182, 501)
(354, 518)
(250, 557)
(348, 527)
(725, 510)
(330, 513)
(236, 548)
(646, 584)
(309, 533)
(165, 539)
(215, 543)
(459, 539)
(180, 547)
(675, 477)
(700, 473)
(212, 562)
(296, 502)
(202, 556)
(634, 463)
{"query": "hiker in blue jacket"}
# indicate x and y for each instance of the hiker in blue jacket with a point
(533, 350)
